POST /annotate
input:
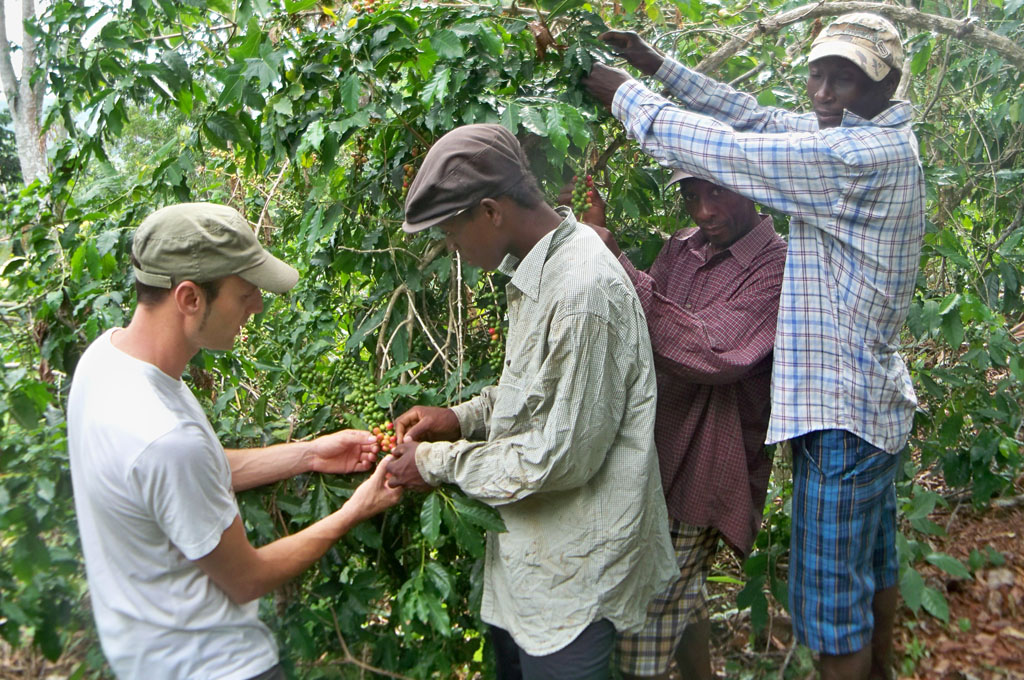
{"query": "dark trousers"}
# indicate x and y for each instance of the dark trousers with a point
(586, 658)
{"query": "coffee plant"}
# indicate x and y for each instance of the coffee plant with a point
(311, 118)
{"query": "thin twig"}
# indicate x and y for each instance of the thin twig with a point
(273, 189)
(349, 659)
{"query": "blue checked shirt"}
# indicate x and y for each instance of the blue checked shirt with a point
(856, 198)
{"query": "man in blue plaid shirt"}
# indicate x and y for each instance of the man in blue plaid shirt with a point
(849, 176)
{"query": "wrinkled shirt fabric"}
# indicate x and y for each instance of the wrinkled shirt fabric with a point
(856, 197)
(711, 317)
(563, 447)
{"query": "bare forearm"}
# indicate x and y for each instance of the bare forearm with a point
(277, 563)
(256, 467)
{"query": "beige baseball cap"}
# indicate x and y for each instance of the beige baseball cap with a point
(868, 40)
(202, 242)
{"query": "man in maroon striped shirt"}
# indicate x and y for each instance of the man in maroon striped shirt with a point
(711, 299)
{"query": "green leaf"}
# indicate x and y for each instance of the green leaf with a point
(467, 536)
(438, 615)
(441, 578)
(283, 106)
(436, 88)
(25, 410)
(934, 602)
(949, 564)
(920, 61)
(250, 47)
(177, 65)
(447, 45)
(576, 125)
(298, 5)
(953, 329)
(510, 117)
(350, 90)
(533, 121)
(225, 127)
(430, 518)
(490, 40)
(479, 514)
(556, 130)
(911, 588)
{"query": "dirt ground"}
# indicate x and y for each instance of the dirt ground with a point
(984, 639)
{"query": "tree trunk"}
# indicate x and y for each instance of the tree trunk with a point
(25, 97)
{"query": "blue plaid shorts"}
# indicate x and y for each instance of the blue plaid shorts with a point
(843, 542)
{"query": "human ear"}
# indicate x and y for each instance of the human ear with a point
(492, 209)
(188, 297)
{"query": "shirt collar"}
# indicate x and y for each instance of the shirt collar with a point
(745, 249)
(526, 273)
(898, 113)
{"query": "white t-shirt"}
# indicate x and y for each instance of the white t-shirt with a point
(153, 492)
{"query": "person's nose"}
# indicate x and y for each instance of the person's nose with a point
(823, 91)
(258, 304)
(703, 210)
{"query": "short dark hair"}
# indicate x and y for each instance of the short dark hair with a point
(526, 192)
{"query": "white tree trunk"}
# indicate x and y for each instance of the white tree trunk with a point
(24, 98)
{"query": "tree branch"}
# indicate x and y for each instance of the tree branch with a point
(968, 31)
(30, 60)
(8, 80)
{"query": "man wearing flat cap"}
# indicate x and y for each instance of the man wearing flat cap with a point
(850, 179)
(173, 578)
(563, 445)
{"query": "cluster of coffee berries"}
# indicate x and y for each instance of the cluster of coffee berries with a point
(363, 5)
(582, 195)
(359, 158)
(317, 380)
(361, 397)
(496, 355)
(386, 437)
(410, 170)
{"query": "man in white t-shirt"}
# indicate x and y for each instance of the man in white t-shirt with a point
(173, 577)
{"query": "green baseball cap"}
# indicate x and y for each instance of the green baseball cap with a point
(202, 242)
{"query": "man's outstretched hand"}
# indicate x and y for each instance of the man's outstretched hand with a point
(635, 50)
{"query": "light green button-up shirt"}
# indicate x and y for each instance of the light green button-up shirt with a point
(563, 446)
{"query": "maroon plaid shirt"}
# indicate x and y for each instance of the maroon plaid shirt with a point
(712, 324)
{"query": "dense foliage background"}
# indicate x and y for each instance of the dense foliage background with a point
(308, 117)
